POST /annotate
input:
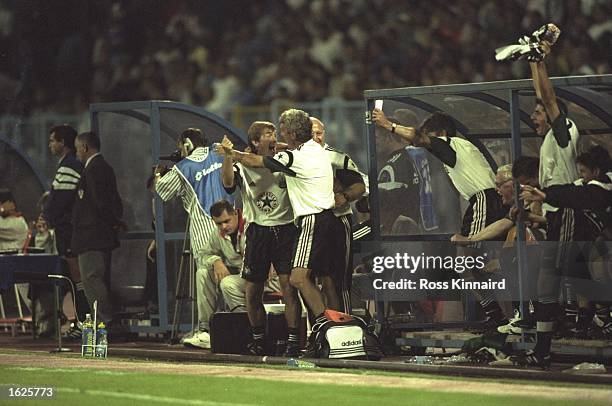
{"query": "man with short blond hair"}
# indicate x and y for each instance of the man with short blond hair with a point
(270, 235)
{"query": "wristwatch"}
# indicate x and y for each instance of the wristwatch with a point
(393, 127)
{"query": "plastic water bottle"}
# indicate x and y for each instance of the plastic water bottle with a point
(87, 337)
(586, 368)
(101, 341)
(298, 363)
(423, 359)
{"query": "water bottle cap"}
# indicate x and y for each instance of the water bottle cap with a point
(88, 315)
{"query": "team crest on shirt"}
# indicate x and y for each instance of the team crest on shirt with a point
(267, 202)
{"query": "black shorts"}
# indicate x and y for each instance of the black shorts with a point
(342, 261)
(560, 232)
(341, 254)
(63, 236)
(315, 241)
(560, 225)
(484, 208)
(265, 246)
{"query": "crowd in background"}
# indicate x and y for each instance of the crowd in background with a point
(62, 55)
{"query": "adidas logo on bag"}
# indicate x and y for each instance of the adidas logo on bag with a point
(345, 336)
(352, 343)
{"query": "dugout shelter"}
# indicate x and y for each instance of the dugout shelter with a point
(24, 177)
(495, 117)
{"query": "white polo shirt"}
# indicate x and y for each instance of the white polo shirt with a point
(472, 173)
(309, 176)
(558, 165)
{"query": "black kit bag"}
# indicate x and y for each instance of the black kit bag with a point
(230, 332)
(343, 336)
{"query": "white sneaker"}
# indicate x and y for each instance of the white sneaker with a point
(188, 335)
(511, 328)
(201, 339)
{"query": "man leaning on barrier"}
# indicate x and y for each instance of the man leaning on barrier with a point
(471, 175)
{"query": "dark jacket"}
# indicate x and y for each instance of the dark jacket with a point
(97, 210)
(589, 196)
(592, 200)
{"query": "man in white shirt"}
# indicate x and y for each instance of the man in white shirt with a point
(310, 180)
(13, 234)
(270, 234)
(13, 227)
(557, 167)
(467, 168)
(471, 175)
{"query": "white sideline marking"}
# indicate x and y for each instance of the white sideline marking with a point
(70, 370)
(150, 398)
(45, 369)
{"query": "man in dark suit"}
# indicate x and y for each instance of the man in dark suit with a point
(96, 220)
